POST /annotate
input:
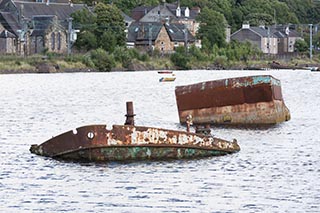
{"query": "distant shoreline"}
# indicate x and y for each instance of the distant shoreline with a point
(50, 67)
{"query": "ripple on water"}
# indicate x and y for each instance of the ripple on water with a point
(277, 169)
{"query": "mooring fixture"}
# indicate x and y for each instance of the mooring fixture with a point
(189, 122)
(130, 115)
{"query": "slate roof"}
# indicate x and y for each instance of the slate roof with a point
(193, 12)
(126, 17)
(7, 34)
(177, 32)
(52, 1)
(61, 10)
(139, 32)
(275, 31)
(260, 30)
(41, 24)
(9, 22)
(138, 12)
(280, 31)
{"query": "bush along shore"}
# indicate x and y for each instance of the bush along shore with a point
(132, 60)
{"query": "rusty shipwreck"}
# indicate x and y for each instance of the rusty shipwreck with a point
(241, 101)
(130, 142)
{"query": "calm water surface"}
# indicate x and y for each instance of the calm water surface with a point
(277, 170)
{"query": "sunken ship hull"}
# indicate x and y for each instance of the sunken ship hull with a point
(129, 142)
(241, 101)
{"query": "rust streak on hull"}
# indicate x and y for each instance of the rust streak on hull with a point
(128, 142)
(244, 100)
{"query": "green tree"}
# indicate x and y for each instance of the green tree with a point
(85, 21)
(256, 19)
(87, 41)
(307, 11)
(279, 11)
(108, 41)
(180, 58)
(122, 55)
(102, 60)
(212, 27)
(127, 5)
(110, 23)
(301, 46)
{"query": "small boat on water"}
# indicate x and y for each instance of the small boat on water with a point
(240, 101)
(165, 72)
(167, 79)
(129, 142)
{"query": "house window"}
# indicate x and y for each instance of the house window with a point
(53, 40)
(59, 41)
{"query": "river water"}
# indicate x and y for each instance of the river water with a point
(277, 169)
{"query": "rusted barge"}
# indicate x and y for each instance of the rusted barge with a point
(243, 100)
(130, 142)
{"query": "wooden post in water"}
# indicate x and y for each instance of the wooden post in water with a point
(130, 115)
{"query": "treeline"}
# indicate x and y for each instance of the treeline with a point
(238, 11)
(102, 33)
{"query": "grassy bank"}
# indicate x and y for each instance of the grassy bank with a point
(74, 63)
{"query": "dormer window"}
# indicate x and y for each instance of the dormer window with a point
(178, 11)
(187, 12)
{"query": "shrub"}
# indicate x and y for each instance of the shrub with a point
(301, 46)
(122, 55)
(102, 60)
(221, 61)
(134, 53)
(180, 58)
(144, 57)
(196, 53)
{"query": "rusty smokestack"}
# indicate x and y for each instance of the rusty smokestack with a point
(130, 115)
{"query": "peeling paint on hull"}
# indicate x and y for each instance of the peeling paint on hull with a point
(244, 100)
(123, 153)
(128, 142)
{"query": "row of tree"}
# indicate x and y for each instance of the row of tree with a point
(238, 11)
(104, 29)
(214, 17)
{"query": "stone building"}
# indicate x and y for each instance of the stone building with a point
(47, 34)
(30, 27)
(164, 37)
(169, 13)
(270, 40)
